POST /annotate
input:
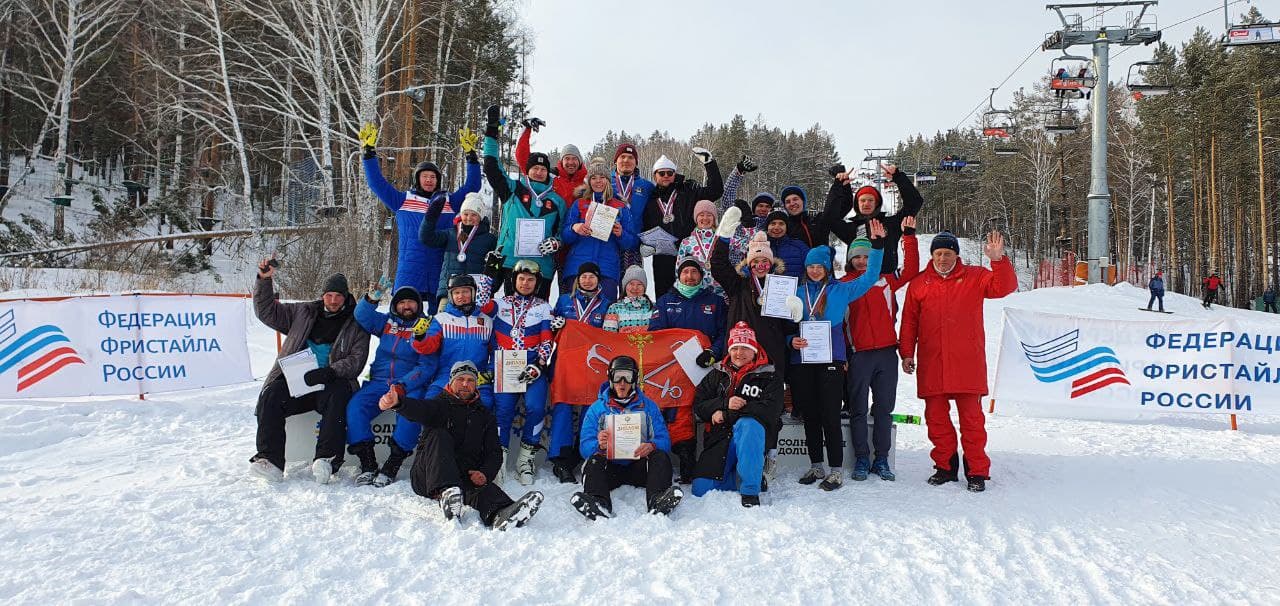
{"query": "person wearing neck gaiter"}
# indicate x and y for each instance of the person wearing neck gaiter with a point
(942, 326)
(701, 240)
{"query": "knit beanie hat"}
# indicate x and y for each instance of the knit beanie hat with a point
(684, 262)
(571, 150)
(626, 148)
(336, 283)
(776, 214)
(635, 272)
(867, 189)
(704, 206)
(759, 247)
(797, 190)
(664, 163)
(405, 292)
(463, 367)
(741, 335)
(819, 255)
(860, 246)
(473, 202)
(945, 239)
(589, 267)
(763, 197)
(537, 159)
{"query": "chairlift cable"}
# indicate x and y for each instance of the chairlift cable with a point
(1212, 10)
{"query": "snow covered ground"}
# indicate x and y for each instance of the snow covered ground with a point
(120, 500)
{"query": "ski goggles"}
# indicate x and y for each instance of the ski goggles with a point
(623, 376)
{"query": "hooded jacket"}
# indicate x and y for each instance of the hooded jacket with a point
(942, 326)
(744, 305)
(840, 201)
(759, 384)
(473, 427)
(347, 355)
(805, 226)
(838, 295)
(395, 362)
(416, 264)
(655, 431)
(871, 320)
(792, 252)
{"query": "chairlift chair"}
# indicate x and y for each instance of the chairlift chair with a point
(1070, 82)
(1140, 84)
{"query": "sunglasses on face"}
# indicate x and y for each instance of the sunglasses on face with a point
(666, 173)
(623, 376)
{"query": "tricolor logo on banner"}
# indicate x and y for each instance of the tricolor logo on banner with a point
(1056, 360)
(41, 351)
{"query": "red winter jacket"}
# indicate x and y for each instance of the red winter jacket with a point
(564, 183)
(942, 326)
(870, 320)
(1212, 282)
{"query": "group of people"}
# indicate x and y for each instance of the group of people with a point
(466, 295)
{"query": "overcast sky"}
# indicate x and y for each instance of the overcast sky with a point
(871, 73)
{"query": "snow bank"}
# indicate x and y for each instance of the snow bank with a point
(111, 500)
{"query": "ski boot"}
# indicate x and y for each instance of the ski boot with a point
(368, 462)
(519, 513)
(526, 467)
(666, 501)
(451, 503)
(391, 468)
(589, 507)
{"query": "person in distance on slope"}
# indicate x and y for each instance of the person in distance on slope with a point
(341, 347)
(871, 333)
(1211, 285)
(942, 325)
(817, 388)
(737, 401)
(418, 265)
(649, 466)
(459, 455)
(671, 207)
(396, 367)
(1156, 286)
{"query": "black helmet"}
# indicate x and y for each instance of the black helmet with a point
(624, 364)
(462, 281)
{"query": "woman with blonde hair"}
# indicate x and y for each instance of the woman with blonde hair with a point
(583, 247)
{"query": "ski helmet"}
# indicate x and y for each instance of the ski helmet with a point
(462, 281)
(624, 368)
(525, 266)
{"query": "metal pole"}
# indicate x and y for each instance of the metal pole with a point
(1099, 195)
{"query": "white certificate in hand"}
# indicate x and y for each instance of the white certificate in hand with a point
(601, 218)
(294, 367)
(777, 289)
(529, 236)
(818, 334)
(626, 433)
(508, 364)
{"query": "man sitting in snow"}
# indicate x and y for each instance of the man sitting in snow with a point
(341, 348)
(458, 454)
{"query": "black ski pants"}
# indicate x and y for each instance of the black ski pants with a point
(436, 468)
(875, 370)
(275, 405)
(816, 392)
(600, 477)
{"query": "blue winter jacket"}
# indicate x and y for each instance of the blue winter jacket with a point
(453, 337)
(1156, 286)
(395, 361)
(566, 309)
(792, 252)
(447, 240)
(641, 191)
(608, 255)
(656, 432)
(416, 264)
(704, 312)
(838, 296)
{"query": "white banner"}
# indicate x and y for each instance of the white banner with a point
(126, 344)
(1059, 363)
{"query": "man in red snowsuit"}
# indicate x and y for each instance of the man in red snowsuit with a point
(942, 325)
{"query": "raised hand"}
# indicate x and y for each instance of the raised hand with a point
(877, 229)
(369, 135)
(266, 268)
(909, 226)
(745, 165)
(889, 170)
(468, 140)
(533, 123)
(995, 246)
(702, 154)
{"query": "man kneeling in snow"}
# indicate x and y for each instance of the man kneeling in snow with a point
(341, 347)
(736, 399)
(458, 453)
(650, 463)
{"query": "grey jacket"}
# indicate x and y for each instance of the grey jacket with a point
(350, 350)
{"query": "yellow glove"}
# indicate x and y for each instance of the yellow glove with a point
(485, 378)
(369, 135)
(420, 328)
(468, 140)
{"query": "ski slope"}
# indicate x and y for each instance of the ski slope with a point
(120, 500)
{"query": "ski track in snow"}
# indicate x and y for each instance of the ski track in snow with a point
(119, 500)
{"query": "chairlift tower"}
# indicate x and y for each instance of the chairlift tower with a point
(1137, 30)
